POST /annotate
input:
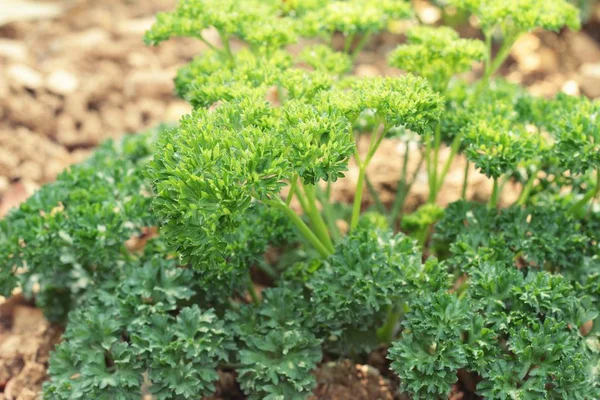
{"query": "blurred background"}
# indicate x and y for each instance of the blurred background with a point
(76, 72)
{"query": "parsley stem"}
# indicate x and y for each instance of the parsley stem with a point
(376, 198)
(328, 191)
(209, 44)
(492, 65)
(304, 230)
(465, 181)
(427, 139)
(591, 194)
(227, 47)
(252, 290)
(317, 219)
(502, 55)
(400, 200)
(292, 191)
(494, 197)
(400, 188)
(348, 42)
(376, 140)
(360, 45)
(327, 211)
(433, 178)
(421, 236)
(489, 41)
(526, 190)
(385, 334)
(301, 199)
(453, 150)
(358, 197)
(307, 206)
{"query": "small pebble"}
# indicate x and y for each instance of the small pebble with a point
(62, 82)
(22, 75)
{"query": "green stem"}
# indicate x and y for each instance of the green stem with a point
(375, 142)
(400, 188)
(301, 199)
(304, 230)
(348, 43)
(375, 145)
(489, 42)
(503, 183)
(373, 192)
(524, 196)
(463, 194)
(453, 150)
(399, 202)
(328, 191)
(492, 65)
(502, 55)
(428, 140)
(385, 334)
(229, 366)
(290, 196)
(358, 197)
(267, 269)
(421, 236)
(360, 45)
(317, 219)
(227, 47)
(251, 290)
(433, 178)
(494, 197)
(577, 208)
(209, 44)
(327, 211)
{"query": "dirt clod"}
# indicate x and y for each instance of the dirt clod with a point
(346, 380)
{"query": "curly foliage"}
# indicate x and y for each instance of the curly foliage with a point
(437, 54)
(513, 301)
(205, 81)
(431, 349)
(577, 133)
(496, 146)
(182, 353)
(536, 237)
(514, 330)
(257, 22)
(124, 329)
(424, 217)
(522, 15)
(352, 17)
(500, 129)
(278, 365)
(248, 161)
(370, 271)
(71, 233)
(406, 101)
(323, 58)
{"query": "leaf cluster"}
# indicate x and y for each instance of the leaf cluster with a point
(521, 15)
(437, 54)
(508, 303)
(72, 233)
(517, 331)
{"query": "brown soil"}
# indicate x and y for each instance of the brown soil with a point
(70, 82)
(26, 339)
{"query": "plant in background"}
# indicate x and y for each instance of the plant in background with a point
(508, 297)
(73, 232)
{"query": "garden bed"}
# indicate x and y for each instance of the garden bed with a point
(85, 76)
